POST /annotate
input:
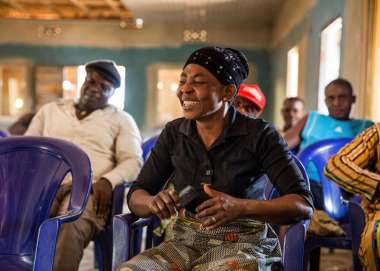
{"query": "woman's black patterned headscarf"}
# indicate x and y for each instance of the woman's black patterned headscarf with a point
(228, 65)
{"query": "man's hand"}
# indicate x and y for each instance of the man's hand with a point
(165, 204)
(103, 196)
(218, 210)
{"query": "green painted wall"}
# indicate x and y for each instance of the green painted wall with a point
(136, 60)
(323, 13)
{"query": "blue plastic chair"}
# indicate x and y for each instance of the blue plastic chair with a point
(103, 240)
(334, 205)
(128, 234)
(3, 133)
(148, 145)
(31, 171)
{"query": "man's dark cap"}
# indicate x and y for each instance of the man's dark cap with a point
(107, 69)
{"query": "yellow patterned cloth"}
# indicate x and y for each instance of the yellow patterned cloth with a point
(356, 168)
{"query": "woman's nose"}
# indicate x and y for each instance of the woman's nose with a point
(186, 87)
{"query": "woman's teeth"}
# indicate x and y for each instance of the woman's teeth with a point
(189, 104)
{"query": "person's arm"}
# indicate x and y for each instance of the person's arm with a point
(293, 135)
(295, 201)
(128, 156)
(128, 153)
(144, 197)
(348, 168)
(21, 125)
(284, 210)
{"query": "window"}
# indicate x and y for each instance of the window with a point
(329, 59)
(73, 78)
(15, 90)
(292, 72)
(168, 106)
(162, 104)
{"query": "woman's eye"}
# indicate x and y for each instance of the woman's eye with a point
(182, 82)
(199, 82)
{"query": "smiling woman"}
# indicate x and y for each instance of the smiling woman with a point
(219, 152)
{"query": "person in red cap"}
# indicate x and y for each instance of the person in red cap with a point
(250, 100)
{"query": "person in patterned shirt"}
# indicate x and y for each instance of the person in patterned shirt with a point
(356, 168)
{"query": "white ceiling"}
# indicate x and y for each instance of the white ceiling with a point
(196, 12)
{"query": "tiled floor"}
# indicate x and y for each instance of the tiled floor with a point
(339, 260)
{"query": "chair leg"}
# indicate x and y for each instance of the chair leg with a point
(305, 262)
(315, 257)
(357, 266)
(103, 250)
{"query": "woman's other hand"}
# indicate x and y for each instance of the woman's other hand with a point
(218, 210)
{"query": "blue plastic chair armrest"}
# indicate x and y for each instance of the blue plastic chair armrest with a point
(121, 234)
(357, 222)
(47, 237)
(70, 216)
(46, 243)
(294, 246)
(118, 198)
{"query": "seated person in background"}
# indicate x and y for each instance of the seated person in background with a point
(219, 152)
(292, 111)
(315, 127)
(356, 168)
(21, 125)
(112, 141)
(250, 100)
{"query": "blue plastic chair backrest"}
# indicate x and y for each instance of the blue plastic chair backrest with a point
(319, 153)
(148, 145)
(31, 171)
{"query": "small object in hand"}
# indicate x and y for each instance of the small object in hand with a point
(186, 195)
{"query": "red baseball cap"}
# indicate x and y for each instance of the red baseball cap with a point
(254, 94)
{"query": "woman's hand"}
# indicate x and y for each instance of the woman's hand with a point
(165, 204)
(218, 210)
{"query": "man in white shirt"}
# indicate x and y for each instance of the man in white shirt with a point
(112, 141)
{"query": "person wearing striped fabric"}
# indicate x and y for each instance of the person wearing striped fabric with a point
(356, 168)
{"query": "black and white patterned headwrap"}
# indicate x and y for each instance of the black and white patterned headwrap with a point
(228, 65)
